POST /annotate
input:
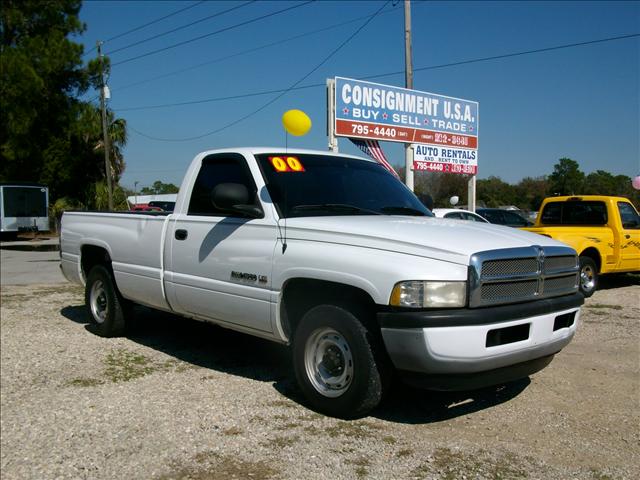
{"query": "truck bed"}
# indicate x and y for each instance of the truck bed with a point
(135, 239)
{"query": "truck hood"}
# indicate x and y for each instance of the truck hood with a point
(449, 240)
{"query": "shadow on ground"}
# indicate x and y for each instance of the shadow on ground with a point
(406, 404)
(211, 347)
(32, 247)
(607, 282)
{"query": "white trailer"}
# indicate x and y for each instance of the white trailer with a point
(24, 207)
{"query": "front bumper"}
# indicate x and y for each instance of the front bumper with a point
(469, 343)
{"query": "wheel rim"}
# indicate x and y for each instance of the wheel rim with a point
(98, 301)
(328, 362)
(587, 278)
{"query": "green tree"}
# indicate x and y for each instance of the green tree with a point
(567, 178)
(442, 186)
(494, 192)
(602, 182)
(530, 192)
(159, 188)
(90, 130)
(42, 134)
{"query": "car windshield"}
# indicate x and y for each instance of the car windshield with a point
(304, 185)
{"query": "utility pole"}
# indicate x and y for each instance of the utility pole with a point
(135, 191)
(105, 133)
(408, 152)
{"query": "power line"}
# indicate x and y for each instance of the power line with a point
(148, 39)
(185, 42)
(273, 100)
(251, 50)
(370, 77)
(527, 52)
(147, 24)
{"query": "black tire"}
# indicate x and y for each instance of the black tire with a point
(588, 276)
(105, 306)
(350, 353)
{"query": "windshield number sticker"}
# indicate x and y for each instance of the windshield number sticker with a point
(286, 164)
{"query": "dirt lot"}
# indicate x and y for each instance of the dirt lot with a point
(181, 399)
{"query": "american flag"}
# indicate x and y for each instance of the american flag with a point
(374, 150)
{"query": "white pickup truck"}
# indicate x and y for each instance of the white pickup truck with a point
(334, 255)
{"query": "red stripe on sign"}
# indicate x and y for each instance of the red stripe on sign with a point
(440, 138)
(445, 167)
(348, 128)
(389, 133)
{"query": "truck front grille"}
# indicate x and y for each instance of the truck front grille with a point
(493, 268)
(521, 274)
(497, 292)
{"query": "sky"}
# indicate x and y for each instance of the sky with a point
(581, 102)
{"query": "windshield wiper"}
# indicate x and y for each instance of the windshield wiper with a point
(334, 207)
(404, 211)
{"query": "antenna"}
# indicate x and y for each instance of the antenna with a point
(284, 192)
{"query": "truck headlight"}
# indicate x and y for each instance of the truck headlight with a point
(428, 294)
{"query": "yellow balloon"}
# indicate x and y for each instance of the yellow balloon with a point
(296, 122)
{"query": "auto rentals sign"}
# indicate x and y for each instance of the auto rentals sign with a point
(444, 129)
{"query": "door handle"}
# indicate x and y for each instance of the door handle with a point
(181, 234)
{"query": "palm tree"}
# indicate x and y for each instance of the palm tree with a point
(91, 133)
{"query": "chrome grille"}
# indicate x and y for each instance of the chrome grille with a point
(509, 290)
(495, 268)
(521, 274)
(566, 262)
(561, 283)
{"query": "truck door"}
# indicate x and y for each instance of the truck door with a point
(629, 238)
(220, 263)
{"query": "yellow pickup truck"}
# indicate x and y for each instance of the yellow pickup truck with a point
(605, 231)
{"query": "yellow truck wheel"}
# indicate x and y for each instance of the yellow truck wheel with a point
(588, 276)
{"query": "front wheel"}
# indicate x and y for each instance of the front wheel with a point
(105, 305)
(588, 276)
(339, 364)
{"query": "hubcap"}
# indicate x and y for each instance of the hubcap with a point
(587, 278)
(328, 362)
(98, 301)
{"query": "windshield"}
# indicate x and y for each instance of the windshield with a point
(320, 185)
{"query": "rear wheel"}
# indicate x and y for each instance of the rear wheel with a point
(588, 276)
(339, 364)
(105, 305)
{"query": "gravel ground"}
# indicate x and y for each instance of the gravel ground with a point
(178, 399)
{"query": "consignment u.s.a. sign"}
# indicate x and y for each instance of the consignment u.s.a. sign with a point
(383, 112)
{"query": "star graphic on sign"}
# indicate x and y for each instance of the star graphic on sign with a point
(385, 116)
(426, 121)
(345, 110)
(471, 128)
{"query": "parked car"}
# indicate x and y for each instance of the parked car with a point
(504, 217)
(146, 208)
(458, 214)
(604, 230)
(163, 205)
(333, 255)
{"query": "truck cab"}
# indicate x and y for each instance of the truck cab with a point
(604, 230)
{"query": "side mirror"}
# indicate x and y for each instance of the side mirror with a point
(234, 197)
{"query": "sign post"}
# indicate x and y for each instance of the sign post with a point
(331, 116)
